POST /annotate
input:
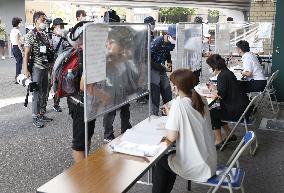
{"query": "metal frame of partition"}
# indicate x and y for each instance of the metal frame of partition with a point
(148, 92)
(185, 64)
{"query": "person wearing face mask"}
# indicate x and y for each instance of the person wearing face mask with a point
(233, 101)
(81, 15)
(17, 41)
(37, 60)
(252, 69)
(152, 22)
(59, 43)
(160, 65)
(188, 125)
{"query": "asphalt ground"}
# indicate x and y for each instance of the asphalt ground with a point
(29, 157)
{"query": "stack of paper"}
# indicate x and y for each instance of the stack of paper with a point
(143, 139)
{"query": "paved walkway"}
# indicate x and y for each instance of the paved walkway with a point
(29, 156)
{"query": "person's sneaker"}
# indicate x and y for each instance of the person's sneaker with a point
(219, 145)
(233, 138)
(38, 122)
(57, 108)
(109, 139)
(44, 118)
(3, 58)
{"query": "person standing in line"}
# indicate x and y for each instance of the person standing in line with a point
(81, 15)
(59, 43)
(17, 42)
(38, 47)
(161, 64)
(2, 40)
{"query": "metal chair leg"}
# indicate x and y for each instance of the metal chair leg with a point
(242, 188)
(253, 150)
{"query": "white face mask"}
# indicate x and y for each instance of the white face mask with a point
(59, 31)
(152, 27)
(83, 18)
(20, 25)
(172, 40)
(42, 26)
(210, 71)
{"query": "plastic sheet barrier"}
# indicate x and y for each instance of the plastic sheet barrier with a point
(116, 66)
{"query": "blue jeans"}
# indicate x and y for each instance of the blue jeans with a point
(19, 59)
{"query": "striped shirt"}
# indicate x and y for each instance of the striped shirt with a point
(33, 42)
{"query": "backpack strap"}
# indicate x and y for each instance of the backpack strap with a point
(58, 45)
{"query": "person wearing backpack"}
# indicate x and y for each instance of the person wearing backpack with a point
(75, 100)
(37, 59)
(59, 43)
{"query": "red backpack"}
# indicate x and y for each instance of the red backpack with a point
(70, 59)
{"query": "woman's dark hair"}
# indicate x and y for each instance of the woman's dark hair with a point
(215, 61)
(37, 15)
(243, 45)
(16, 21)
(185, 80)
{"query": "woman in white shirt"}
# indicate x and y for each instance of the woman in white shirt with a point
(252, 69)
(189, 125)
(16, 41)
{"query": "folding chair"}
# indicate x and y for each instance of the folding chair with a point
(246, 120)
(230, 177)
(270, 92)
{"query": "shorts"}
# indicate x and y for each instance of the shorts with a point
(2, 43)
(77, 113)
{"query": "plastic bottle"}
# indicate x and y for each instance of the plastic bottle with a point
(68, 83)
(70, 75)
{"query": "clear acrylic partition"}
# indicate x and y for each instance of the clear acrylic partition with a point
(116, 66)
(189, 46)
(228, 34)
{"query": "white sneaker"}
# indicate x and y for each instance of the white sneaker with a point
(3, 57)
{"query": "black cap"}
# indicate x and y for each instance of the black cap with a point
(58, 21)
(198, 19)
(149, 19)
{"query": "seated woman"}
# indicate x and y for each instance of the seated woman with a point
(252, 69)
(189, 125)
(233, 100)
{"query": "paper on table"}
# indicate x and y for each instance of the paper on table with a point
(96, 36)
(136, 149)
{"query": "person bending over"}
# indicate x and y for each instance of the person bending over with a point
(233, 101)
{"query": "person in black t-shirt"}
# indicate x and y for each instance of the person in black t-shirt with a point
(233, 100)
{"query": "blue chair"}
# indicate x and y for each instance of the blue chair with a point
(230, 177)
(246, 120)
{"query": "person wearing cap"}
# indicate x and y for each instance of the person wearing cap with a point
(152, 22)
(59, 43)
(160, 65)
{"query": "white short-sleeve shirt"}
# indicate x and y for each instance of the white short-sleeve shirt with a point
(251, 64)
(13, 36)
(195, 157)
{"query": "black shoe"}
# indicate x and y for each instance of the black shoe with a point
(233, 138)
(38, 122)
(16, 82)
(219, 145)
(109, 138)
(57, 108)
(44, 118)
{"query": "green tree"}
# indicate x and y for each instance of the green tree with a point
(213, 16)
(176, 14)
